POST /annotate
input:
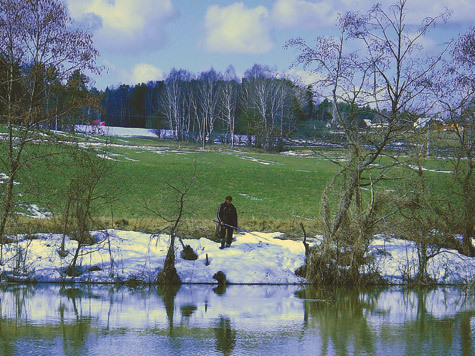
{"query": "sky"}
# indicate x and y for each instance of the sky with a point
(142, 40)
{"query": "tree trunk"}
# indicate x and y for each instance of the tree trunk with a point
(168, 274)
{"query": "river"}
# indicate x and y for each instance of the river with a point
(53, 319)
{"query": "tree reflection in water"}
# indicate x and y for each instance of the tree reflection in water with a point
(168, 294)
(22, 335)
(74, 334)
(220, 289)
(198, 319)
(404, 321)
(225, 336)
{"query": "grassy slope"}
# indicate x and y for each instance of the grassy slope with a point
(271, 191)
(275, 186)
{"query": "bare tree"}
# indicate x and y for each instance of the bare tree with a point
(418, 207)
(85, 194)
(388, 76)
(209, 93)
(269, 98)
(228, 102)
(36, 39)
(171, 100)
(455, 89)
(168, 274)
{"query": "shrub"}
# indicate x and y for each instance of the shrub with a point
(188, 253)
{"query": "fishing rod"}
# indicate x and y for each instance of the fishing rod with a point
(237, 228)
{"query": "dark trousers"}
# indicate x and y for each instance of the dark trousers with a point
(226, 232)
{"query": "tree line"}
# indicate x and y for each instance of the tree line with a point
(262, 104)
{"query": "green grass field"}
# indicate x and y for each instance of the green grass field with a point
(271, 191)
(268, 189)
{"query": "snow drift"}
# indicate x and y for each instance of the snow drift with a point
(264, 258)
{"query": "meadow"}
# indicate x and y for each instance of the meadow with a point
(271, 191)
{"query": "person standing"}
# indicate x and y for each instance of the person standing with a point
(227, 220)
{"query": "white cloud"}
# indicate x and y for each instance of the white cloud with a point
(238, 29)
(305, 77)
(323, 13)
(125, 26)
(304, 14)
(140, 73)
(427, 44)
(463, 10)
(143, 73)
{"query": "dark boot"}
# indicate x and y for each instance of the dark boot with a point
(222, 244)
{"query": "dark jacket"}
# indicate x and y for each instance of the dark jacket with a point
(227, 214)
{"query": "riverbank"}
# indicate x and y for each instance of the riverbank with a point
(254, 258)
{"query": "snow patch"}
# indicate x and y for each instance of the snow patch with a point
(302, 217)
(116, 131)
(295, 154)
(4, 178)
(260, 161)
(106, 156)
(416, 168)
(264, 258)
(249, 196)
(33, 211)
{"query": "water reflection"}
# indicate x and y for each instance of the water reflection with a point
(405, 322)
(168, 294)
(234, 320)
(74, 334)
(224, 333)
(220, 289)
(225, 336)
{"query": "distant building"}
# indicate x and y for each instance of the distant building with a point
(98, 123)
(422, 122)
(368, 123)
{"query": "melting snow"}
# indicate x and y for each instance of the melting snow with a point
(253, 258)
(116, 131)
(4, 178)
(106, 156)
(261, 161)
(416, 168)
(33, 211)
(249, 196)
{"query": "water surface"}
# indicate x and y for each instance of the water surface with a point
(237, 320)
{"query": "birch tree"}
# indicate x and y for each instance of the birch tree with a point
(228, 101)
(263, 94)
(171, 97)
(209, 94)
(36, 39)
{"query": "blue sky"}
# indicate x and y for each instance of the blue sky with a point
(142, 40)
